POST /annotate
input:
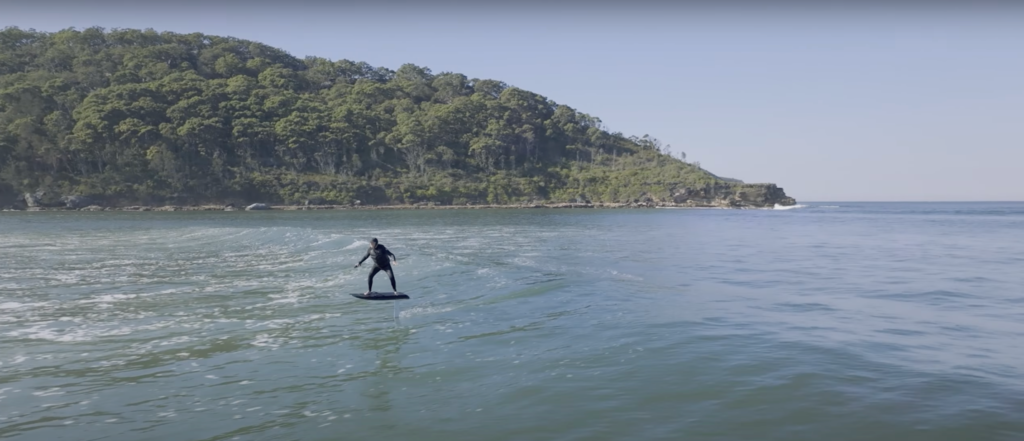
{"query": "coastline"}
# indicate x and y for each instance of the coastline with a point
(265, 207)
(746, 196)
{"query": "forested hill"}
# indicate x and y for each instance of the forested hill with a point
(138, 116)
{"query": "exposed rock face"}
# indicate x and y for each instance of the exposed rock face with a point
(732, 196)
(33, 200)
(76, 202)
(257, 207)
(41, 199)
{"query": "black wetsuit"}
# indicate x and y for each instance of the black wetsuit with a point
(381, 262)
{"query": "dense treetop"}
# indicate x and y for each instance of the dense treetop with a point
(138, 115)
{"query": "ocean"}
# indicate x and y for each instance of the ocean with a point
(829, 321)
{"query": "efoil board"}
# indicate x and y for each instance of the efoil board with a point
(381, 296)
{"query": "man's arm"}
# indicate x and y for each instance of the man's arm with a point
(367, 256)
(393, 256)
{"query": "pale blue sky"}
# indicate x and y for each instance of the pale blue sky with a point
(831, 104)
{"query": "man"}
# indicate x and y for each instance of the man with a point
(380, 263)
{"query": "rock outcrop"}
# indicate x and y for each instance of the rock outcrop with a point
(732, 196)
(33, 200)
(44, 198)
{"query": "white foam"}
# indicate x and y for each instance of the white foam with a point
(523, 261)
(16, 305)
(788, 207)
(265, 340)
(420, 310)
(108, 298)
(625, 276)
(75, 334)
(46, 393)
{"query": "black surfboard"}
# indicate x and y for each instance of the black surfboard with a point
(381, 296)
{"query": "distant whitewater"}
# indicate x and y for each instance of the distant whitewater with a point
(788, 207)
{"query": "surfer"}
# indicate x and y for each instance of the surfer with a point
(381, 262)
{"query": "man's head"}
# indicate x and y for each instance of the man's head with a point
(373, 242)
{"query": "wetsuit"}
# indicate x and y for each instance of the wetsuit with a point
(381, 262)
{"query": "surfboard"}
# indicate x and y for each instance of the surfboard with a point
(381, 296)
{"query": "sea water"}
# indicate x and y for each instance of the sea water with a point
(831, 321)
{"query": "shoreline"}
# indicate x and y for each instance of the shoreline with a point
(267, 207)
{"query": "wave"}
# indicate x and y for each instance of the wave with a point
(793, 207)
(788, 207)
(357, 244)
(17, 305)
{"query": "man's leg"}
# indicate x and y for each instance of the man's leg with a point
(369, 280)
(391, 275)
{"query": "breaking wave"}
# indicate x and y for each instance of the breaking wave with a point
(788, 207)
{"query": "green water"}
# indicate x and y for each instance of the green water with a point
(828, 322)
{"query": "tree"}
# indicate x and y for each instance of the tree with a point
(141, 115)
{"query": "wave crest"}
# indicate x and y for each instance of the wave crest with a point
(788, 207)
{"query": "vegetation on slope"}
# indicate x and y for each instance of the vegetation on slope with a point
(138, 116)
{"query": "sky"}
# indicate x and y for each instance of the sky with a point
(831, 101)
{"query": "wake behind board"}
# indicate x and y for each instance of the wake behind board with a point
(381, 296)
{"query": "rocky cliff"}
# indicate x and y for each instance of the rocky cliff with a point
(731, 196)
